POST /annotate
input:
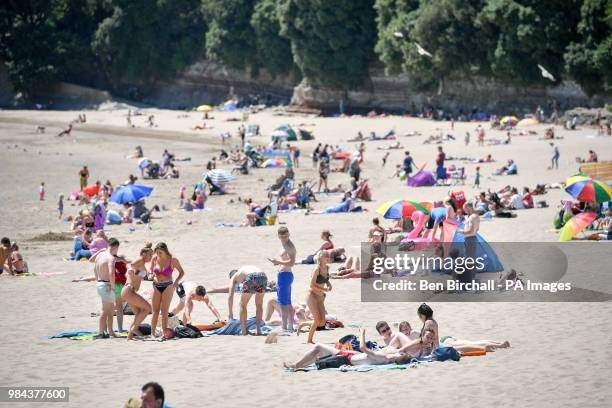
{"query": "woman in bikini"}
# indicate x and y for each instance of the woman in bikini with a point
(137, 271)
(319, 284)
(162, 266)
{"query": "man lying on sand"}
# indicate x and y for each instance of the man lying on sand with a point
(189, 292)
(325, 356)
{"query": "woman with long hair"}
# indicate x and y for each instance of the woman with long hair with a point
(162, 266)
(137, 271)
(319, 284)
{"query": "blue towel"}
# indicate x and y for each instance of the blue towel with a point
(232, 328)
(70, 334)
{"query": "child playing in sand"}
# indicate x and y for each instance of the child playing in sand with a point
(60, 206)
(182, 196)
(41, 191)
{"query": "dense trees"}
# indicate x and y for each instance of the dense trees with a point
(110, 42)
(331, 41)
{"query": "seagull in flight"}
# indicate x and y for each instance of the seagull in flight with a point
(422, 51)
(545, 73)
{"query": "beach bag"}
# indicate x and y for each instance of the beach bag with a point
(145, 329)
(346, 342)
(446, 353)
(187, 332)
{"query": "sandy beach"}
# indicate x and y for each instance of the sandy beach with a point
(560, 354)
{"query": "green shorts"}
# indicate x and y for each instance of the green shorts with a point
(118, 289)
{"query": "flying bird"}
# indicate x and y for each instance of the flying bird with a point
(398, 34)
(421, 50)
(546, 74)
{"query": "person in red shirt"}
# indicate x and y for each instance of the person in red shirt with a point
(440, 171)
(527, 198)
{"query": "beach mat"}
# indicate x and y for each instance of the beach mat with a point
(366, 368)
(232, 328)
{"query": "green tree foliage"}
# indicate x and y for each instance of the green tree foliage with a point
(45, 41)
(519, 35)
(589, 60)
(444, 28)
(230, 38)
(145, 40)
(332, 41)
(273, 51)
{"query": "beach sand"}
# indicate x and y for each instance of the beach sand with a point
(560, 353)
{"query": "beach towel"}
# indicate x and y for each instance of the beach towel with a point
(82, 335)
(601, 170)
(226, 225)
(232, 328)
(366, 368)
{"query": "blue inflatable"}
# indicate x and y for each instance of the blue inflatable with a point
(483, 250)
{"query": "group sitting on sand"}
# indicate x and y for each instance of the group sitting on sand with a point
(399, 347)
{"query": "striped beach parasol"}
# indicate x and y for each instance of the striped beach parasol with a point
(587, 189)
(399, 209)
(576, 224)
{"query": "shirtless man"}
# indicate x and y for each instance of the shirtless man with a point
(189, 292)
(285, 278)
(471, 226)
(253, 281)
(104, 270)
(325, 356)
(391, 338)
(5, 255)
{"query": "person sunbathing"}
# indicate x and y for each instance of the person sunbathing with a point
(189, 292)
(395, 146)
(472, 345)
(406, 329)
(325, 356)
(363, 191)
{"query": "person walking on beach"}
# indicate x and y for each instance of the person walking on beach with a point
(440, 171)
(284, 279)
(315, 155)
(408, 163)
(83, 176)
(60, 206)
(467, 138)
(555, 156)
(41, 191)
(252, 281)
(471, 227)
(104, 271)
(477, 177)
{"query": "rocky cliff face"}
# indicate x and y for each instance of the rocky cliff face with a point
(395, 93)
(207, 82)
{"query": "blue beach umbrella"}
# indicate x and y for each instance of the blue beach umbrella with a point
(130, 193)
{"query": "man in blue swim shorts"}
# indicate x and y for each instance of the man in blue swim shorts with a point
(284, 279)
